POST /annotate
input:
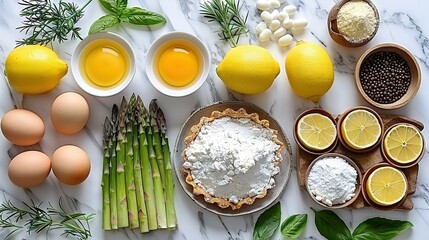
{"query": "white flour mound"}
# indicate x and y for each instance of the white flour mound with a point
(332, 181)
(233, 158)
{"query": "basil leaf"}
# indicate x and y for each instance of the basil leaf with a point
(294, 225)
(380, 229)
(103, 23)
(115, 6)
(140, 16)
(331, 226)
(267, 223)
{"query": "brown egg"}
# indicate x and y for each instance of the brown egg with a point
(70, 164)
(22, 127)
(29, 169)
(69, 113)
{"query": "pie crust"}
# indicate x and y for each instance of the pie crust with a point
(193, 133)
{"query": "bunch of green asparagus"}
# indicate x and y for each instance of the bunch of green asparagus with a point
(137, 180)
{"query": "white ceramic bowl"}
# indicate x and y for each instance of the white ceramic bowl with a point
(166, 41)
(100, 92)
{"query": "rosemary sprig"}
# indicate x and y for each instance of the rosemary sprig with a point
(46, 21)
(35, 219)
(227, 14)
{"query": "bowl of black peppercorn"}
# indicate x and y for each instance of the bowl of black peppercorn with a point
(387, 76)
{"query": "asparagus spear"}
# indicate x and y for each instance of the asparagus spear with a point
(120, 170)
(141, 206)
(157, 141)
(169, 181)
(113, 166)
(129, 168)
(105, 178)
(141, 116)
(157, 183)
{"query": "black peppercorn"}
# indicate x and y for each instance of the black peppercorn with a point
(385, 77)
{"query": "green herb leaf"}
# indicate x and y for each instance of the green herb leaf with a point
(140, 16)
(103, 23)
(115, 6)
(380, 229)
(267, 223)
(331, 226)
(294, 225)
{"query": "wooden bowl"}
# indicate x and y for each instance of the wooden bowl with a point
(358, 180)
(340, 38)
(366, 197)
(340, 136)
(295, 130)
(395, 163)
(412, 64)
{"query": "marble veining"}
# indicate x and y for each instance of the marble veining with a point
(402, 22)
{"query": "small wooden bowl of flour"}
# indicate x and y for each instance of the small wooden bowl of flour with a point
(353, 23)
(333, 180)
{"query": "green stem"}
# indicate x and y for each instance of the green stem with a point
(105, 187)
(129, 171)
(120, 170)
(113, 169)
(157, 184)
(146, 171)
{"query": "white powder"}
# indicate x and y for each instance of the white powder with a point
(332, 181)
(356, 20)
(233, 158)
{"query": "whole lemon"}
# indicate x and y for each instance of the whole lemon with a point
(248, 69)
(309, 70)
(34, 69)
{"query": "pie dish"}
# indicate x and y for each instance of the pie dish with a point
(231, 157)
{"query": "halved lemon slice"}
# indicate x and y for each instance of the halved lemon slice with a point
(316, 131)
(386, 186)
(403, 143)
(360, 129)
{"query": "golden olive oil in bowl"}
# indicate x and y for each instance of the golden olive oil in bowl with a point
(103, 64)
(177, 64)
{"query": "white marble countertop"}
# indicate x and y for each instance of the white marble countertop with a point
(402, 22)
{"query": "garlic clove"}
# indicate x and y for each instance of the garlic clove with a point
(300, 23)
(275, 14)
(274, 25)
(265, 35)
(289, 9)
(280, 32)
(263, 5)
(260, 27)
(285, 41)
(266, 16)
(282, 16)
(275, 3)
(288, 23)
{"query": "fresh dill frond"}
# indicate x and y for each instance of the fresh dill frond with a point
(45, 21)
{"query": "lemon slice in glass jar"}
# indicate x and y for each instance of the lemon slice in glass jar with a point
(360, 129)
(403, 143)
(316, 131)
(386, 186)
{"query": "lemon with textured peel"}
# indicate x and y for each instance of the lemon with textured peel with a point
(309, 70)
(316, 131)
(360, 129)
(386, 186)
(403, 143)
(248, 69)
(34, 69)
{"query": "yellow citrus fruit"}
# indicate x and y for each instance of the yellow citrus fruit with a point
(34, 69)
(309, 70)
(403, 143)
(386, 186)
(248, 69)
(316, 131)
(360, 129)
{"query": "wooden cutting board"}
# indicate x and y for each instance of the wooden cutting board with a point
(365, 161)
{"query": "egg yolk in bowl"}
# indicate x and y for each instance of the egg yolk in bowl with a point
(178, 66)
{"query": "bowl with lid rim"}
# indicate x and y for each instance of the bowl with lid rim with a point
(340, 38)
(412, 65)
(358, 180)
(295, 131)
